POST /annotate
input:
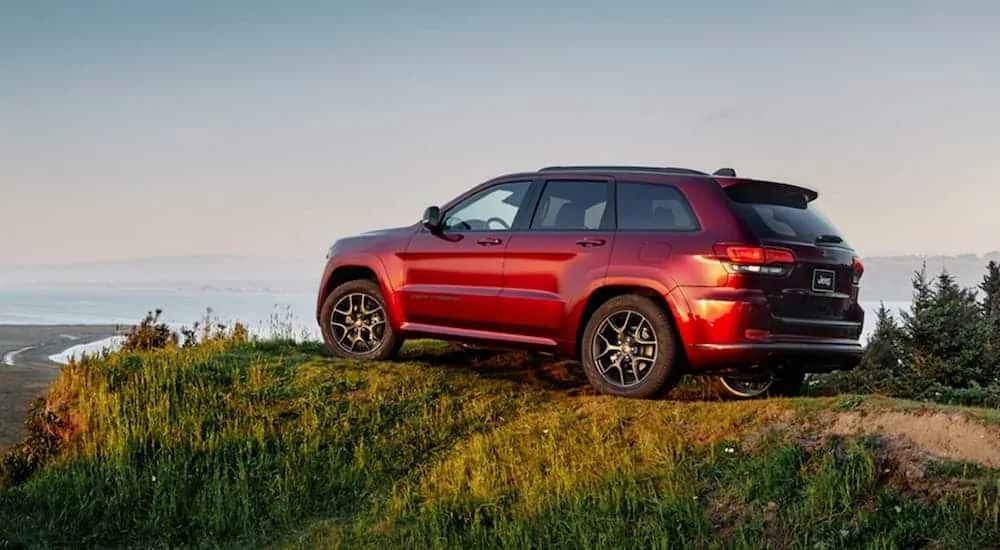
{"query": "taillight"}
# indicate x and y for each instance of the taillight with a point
(755, 259)
(859, 270)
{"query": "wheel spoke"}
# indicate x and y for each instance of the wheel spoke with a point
(365, 310)
(628, 317)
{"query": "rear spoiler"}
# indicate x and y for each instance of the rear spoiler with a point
(770, 192)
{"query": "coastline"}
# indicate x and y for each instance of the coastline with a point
(27, 370)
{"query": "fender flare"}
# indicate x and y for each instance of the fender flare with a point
(367, 261)
(673, 296)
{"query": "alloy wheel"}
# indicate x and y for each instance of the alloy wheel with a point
(358, 323)
(625, 348)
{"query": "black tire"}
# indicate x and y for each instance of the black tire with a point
(388, 342)
(783, 384)
(662, 372)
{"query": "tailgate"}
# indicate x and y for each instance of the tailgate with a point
(818, 297)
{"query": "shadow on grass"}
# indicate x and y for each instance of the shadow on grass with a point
(535, 369)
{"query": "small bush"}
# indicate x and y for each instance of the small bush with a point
(149, 334)
(41, 444)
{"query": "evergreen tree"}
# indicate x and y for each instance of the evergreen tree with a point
(991, 293)
(946, 337)
(883, 352)
(915, 321)
(990, 288)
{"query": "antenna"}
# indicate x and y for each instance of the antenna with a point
(725, 172)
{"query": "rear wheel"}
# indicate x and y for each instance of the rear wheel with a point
(355, 323)
(752, 386)
(629, 348)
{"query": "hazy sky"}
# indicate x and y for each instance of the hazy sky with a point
(133, 129)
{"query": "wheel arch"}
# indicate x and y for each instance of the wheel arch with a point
(668, 301)
(357, 268)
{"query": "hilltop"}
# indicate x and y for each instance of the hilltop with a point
(248, 444)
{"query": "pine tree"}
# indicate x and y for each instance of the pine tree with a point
(915, 321)
(883, 351)
(991, 293)
(990, 288)
(946, 333)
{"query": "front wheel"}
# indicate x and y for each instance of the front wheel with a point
(355, 323)
(629, 348)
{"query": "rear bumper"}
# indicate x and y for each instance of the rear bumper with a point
(730, 329)
(813, 356)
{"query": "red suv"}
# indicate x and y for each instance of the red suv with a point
(641, 273)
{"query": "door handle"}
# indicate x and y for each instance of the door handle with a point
(489, 241)
(591, 241)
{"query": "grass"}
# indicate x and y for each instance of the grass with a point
(274, 444)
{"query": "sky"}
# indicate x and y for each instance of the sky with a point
(136, 129)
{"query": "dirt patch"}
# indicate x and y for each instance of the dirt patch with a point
(945, 436)
(909, 444)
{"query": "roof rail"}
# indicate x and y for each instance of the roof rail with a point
(656, 169)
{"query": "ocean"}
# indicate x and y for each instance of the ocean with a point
(261, 311)
(102, 306)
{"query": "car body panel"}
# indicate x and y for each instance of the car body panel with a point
(547, 275)
(454, 280)
(532, 288)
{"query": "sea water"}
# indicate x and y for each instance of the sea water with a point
(108, 306)
(263, 313)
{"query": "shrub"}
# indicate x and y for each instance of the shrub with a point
(945, 348)
(41, 444)
(149, 334)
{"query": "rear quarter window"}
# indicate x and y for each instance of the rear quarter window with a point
(653, 207)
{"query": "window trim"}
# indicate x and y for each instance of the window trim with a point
(529, 198)
(608, 219)
(698, 226)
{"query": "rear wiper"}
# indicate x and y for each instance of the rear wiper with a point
(829, 239)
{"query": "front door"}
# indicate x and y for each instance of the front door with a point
(453, 279)
(549, 267)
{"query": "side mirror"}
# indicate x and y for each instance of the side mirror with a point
(432, 219)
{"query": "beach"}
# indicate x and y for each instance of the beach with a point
(27, 370)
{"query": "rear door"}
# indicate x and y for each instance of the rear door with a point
(550, 267)
(819, 296)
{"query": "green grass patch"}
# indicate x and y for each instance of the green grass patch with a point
(274, 444)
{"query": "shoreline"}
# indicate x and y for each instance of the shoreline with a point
(27, 369)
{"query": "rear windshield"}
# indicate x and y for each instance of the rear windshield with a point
(770, 217)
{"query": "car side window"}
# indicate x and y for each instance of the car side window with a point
(653, 207)
(492, 209)
(573, 205)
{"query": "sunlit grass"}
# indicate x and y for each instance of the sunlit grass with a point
(273, 443)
